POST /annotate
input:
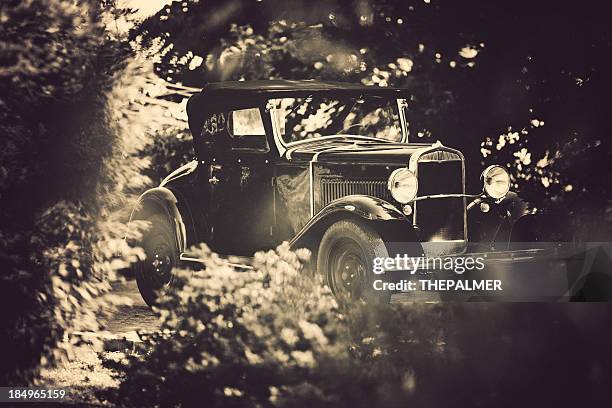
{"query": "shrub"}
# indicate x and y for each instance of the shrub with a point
(62, 174)
(169, 149)
(270, 337)
(276, 337)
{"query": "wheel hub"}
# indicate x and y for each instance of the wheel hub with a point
(162, 264)
(348, 269)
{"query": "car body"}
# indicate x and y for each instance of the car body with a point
(264, 174)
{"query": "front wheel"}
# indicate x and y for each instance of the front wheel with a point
(154, 274)
(345, 259)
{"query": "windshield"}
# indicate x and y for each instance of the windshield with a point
(313, 116)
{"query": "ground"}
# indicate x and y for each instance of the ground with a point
(129, 319)
(85, 374)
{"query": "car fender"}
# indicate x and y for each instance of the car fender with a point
(495, 224)
(385, 218)
(530, 225)
(165, 201)
(542, 227)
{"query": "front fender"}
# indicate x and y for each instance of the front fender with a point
(384, 217)
(513, 221)
(162, 200)
(495, 224)
(542, 227)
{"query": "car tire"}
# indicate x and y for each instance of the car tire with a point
(345, 259)
(154, 273)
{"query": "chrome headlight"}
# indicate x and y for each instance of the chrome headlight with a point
(496, 181)
(403, 185)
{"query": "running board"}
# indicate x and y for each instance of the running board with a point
(238, 262)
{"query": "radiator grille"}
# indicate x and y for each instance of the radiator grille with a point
(440, 219)
(332, 189)
(439, 155)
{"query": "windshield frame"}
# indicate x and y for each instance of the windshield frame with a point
(282, 146)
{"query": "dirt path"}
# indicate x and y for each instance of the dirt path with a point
(131, 318)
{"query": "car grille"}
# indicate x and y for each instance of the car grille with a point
(332, 189)
(440, 219)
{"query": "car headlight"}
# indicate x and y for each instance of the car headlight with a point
(403, 185)
(496, 181)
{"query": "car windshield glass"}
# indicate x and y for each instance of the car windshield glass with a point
(313, 116)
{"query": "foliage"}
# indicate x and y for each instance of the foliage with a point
(81, 125)
(64, 86)
(276, 337)
(169, 149)
(271, 337)
(530, 98)
(487, 354)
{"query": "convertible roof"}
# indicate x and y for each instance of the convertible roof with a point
(218, 96)
(228, 93)
(275, 86)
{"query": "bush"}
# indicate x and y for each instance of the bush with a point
(276, 337)
(271, 337)
(62, 174)
(169, 149)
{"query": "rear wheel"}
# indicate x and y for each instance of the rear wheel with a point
(345, 259)
(154, 274)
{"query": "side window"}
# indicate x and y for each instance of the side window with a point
(246, 129)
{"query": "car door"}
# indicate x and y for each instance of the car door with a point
(240, 178)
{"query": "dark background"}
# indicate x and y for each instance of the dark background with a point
(545, 61)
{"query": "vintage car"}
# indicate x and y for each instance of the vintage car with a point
(326, 166)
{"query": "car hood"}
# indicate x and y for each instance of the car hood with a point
(354, 150)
